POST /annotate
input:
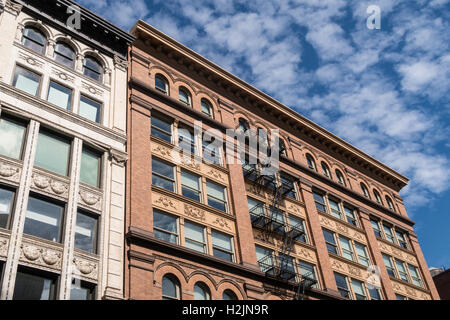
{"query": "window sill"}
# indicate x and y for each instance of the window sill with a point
(407, 283)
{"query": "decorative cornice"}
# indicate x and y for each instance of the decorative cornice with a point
(13, 8)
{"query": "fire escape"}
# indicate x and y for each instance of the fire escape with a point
(280, 267)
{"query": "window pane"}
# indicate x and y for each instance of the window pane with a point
(12, 134)
(167, 225)
(194, 232)
(64, 54)
(43, 219)
(26, 81)
(215, 190)
(59, 95)
(228, 295)
(34, 39)
(375, 294)
(163, 175)
(184, 97)
(33, 287)
(358, 289)
(90, 165)
(362, 254)
(169, 288)
(6, 198)
(52, 153)
(90, 109)
(201, 292)
(78, 291)
(86, 233)
(161, 83)
(161, 124)
(206, 108)
(221, 240)
(190, 180)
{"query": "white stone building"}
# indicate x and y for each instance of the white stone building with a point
(63, 100)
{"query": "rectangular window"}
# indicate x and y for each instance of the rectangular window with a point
(414, 272)
(195, 236)
(358, 289)
(257, 212)
(342, 285)
(222, 245)
(26, 80)
(335, 209)
(216, 196)
(86, 232)
(265, 258)
(288, 185)
(34, 285)
(190, 186)
(165, 226)
(388, 233)
(52, 153)
(400, 297)
(388, 263)
(59, 95)
(320, 202)
(44, 219)
(401, 270)
(401, 239)
(376, 227)
(90, 109)
(330, 241)
(211, 153)
(287, 267)
(347, 249)
(90, 167)
(12, 133)
(297, 227)
(361, 251)
(161, 128)
(350, 215)
(308, 271)
(163, 175)
(6, 204)
(186, 139)
(81, 290)
(375, 294)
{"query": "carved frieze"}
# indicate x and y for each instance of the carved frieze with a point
(342, 229)
(50, 185)
(221, 222)
(91, 89)
(30, 60)
(165, 202)
(41, 255)
(3, 247)
(400, 254)
(85, 268)
(194, 212)
(217, 175)
(63, 76)
(9, 172)
(90, 199)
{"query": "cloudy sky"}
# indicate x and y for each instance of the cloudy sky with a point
(385, 91)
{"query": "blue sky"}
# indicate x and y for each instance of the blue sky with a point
(385, 91)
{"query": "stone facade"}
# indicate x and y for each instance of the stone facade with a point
(149, 258)
(107, 136)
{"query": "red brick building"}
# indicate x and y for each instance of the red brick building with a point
(223, 231)
(442, 282)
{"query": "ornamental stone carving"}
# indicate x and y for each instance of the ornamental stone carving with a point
(41, 182)
(32, 253)
(293, 208)
(120, 63)
(221, 222)
(3, 247)
(89, 198)
(86, 268)
(194, 212)
(9, 172)
(58, 187)
(216, 174)
(50, 257)
(163, 151)
(50, 185)
(30, 60)
(354, 270)
(341, 228)
(166, 202)
(41, 256)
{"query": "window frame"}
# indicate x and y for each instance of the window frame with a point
(12, 205)
(327, 243)
(350, 251)
(97, 218)
(325, 170)
(188, 95)
(310, 162)
(176, 283)
(391, 266)
(100, 110)
(166, 120)
(204, 287)
(158, 175)
(14, 80)
(366, 253)
(205, 237)
(340, 289)
(378, 232)
(204, 101)
(199, 192)
(56, 135)
(85, 285)
(70, 107)
(354, 218)
(364, 190)
(56, 53)
(324, 204)
(44, 46)
(88, 149)
(177, 223)
(225, 193)
(340, 177)
(6, 117)
(162, 78)
(377, 196)
(99, 62)
(232, 252)
(53, 277)
(389, 203)
(194, 145)
(413, 277)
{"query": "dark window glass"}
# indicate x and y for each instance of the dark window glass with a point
(376, 227)
(201, 292)
(185, 97)
(194, 236)
(33, 286)
(64, 54)
(26, 81)
(377, 197)
(229, 295)
(341, 282)
(288, 187)
(389, 203)
(59, 95)
(170, 288)
(330, 241)
(12, 133)
(340, 177)
(44, 219)
(81, 290)
(165, 226)
(211, 153)
(163, 175)
(161, 129)
(6, 203)
(326, 170)
(399, 297)
(90, 109)
(161, 84)
(86, 233)
(190, 186)
(311, 162)
(320, 202)
(364, 190)
(350, 214)
(216, 196)
(374, 293)
(52, 153)
(34, 39)
(206, 107)
(186, 139)
(222, 245)
(92, 68)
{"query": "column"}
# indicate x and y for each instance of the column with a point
(20, 211)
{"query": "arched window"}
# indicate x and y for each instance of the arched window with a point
(170, 288)
(64, 54)
(207, 108)
(229, 295)
(34, 39)
(161, 83)
(364, 190)
(340, 177)
(243, 125)
(185, 96)
(92, 68)
(201, 291)
(377, 196)
(311, 162)
(390, 203)
(325, 170)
